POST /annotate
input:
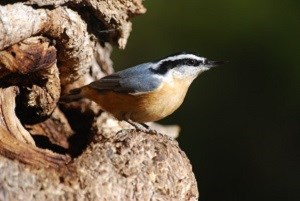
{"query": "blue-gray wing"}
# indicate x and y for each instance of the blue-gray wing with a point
(132, 80)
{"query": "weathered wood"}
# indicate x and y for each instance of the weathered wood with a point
(51, 151)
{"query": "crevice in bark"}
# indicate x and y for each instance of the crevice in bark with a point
(81, 123)
(97, 26)
(3, 3)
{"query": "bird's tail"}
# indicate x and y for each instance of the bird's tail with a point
(74, 95)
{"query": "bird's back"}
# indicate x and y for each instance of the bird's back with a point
(138, 79)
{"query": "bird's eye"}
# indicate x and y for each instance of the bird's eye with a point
(192, 62)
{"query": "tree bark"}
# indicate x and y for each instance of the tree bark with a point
(53, 151)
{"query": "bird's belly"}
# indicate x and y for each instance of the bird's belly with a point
(144, 107)
(156, 107)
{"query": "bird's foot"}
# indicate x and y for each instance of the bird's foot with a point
(142, 127)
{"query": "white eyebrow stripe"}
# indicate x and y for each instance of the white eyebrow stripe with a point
(177, 57)
(182, 56)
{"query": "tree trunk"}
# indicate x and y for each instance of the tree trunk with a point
(53, 151)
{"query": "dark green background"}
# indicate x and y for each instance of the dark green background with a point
(240, 122)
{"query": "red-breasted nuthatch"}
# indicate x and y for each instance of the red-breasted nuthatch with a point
(146, 92)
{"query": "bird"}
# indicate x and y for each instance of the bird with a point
(147, 92)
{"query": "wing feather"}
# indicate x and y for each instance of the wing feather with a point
(133, 80)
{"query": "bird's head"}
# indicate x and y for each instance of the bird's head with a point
(184, 65)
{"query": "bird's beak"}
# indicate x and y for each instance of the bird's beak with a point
(210, 64)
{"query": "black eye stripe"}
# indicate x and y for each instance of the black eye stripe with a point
(193, 62)
(169, 64)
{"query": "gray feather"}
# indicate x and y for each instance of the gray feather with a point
(132, 80)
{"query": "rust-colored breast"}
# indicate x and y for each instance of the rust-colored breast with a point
(142, 107)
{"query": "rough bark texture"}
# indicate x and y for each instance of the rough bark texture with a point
(50, 151)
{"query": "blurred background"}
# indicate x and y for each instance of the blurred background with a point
(240, 122)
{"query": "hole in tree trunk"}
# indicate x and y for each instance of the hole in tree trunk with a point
(81, 123)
